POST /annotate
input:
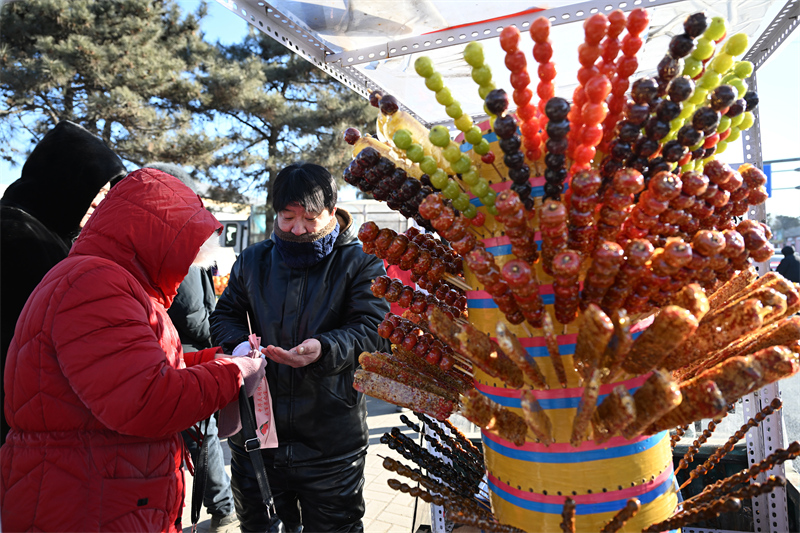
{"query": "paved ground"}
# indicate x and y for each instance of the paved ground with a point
(387, 510)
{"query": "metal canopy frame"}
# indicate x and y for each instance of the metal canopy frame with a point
(368, 68)
(769, 511)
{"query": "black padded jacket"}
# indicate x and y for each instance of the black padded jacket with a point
(319, 417)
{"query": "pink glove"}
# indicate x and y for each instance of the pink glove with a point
(252, 372)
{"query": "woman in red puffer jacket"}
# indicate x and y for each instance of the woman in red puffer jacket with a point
(97, 386)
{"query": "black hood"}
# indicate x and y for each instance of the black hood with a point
(61, 177)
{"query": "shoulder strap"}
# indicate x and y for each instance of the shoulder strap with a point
(200, 474)
(253, 447)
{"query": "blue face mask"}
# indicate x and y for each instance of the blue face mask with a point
(298, 252)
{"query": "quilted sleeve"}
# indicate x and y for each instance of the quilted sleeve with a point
(201, 356)
(108, 349)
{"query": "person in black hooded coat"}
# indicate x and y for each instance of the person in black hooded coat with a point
(41, 212)
(789, 267)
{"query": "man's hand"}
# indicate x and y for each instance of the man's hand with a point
(301, 355)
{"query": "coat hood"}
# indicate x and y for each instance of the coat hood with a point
(61, 177)
(153, 226)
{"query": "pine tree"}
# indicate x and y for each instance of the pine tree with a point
(122, 69)
(139, 74)
(281, 109)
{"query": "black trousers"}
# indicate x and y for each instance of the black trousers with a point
(312, 499)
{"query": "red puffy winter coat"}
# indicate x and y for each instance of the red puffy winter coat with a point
(95, 382)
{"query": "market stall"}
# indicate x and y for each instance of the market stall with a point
(594, 287)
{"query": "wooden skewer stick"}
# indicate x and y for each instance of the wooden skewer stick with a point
(475, 232)
(498, 172)
(458, 282)
(527, 329)
(463, 370)
(461, 359)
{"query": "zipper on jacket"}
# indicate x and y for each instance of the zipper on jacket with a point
(295, 340)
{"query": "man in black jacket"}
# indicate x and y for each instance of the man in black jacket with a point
(307, 295)
(41, 213)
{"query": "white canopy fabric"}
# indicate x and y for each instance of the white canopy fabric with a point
(374, 43)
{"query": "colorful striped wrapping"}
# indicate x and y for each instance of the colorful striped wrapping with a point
(529, 484)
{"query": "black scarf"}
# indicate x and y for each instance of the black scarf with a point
(306, 250)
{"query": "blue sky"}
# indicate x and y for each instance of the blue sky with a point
(778, 88)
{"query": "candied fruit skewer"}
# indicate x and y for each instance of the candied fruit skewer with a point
(670, 261)
(397, 393)
(661, 188)
(482, 264)
(582, 423)
(593, 338)
(413, 339)
(582, 199)
(536, 418)
(688, 457)
(512, 214)
(701, 400)
(684, 518)
(715, 457)
(379, 363)
(617, 201)
(509, 343)
(586, 128)
(553, 225)
(394, 291)
(475, 346)
(776, 458)
(566, 285)
(615, 413)
(606, 262)
(618, 347)
(493, 417)
(521, 279)
(557, 128)
(783, 332)
(671, 328)
(637, 253)
(616, 523)
(716, 332)
(551, 340)
(655, 398)
(543, 53)
(624, 67)
(610, 49)
(594, 29)
(568, 516)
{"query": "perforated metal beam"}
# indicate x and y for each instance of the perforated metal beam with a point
(770, 513)
(484, 30)
(778, 31)
(296, 36)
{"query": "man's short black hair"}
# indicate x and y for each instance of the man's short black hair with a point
(309, 185)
